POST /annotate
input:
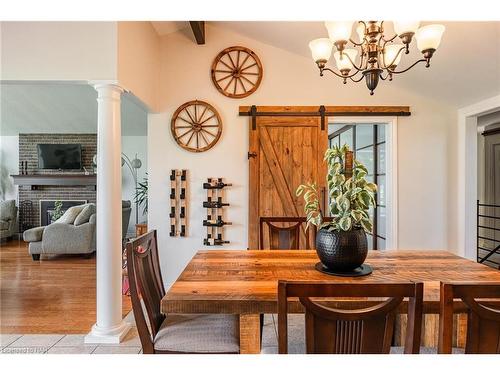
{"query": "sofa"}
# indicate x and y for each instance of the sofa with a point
(72, 233)
(8, 218)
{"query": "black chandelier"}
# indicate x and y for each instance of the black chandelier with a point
(379, 56)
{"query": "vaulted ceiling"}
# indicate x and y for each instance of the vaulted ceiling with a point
(464, 70)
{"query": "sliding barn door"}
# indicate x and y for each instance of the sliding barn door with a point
(284, 152)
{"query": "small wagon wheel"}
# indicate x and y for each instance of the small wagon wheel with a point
(237, 72)
(196, 126)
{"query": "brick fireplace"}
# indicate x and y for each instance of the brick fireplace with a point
(30, 197)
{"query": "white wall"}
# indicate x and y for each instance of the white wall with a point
(132, 145)
(77, 51)
(426, 143)
(139, 60)
(9, 164)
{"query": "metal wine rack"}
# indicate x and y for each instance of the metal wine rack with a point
(178, 205)
(215, 212)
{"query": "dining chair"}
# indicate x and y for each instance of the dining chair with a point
(339, 330)
(283, 238)
(158, 333)
(483, 321)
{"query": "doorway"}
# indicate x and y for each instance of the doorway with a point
(372, 141)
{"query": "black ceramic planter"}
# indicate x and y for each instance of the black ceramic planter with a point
(341, 251)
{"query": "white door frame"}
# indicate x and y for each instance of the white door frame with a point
(467, 173)
(391, 242)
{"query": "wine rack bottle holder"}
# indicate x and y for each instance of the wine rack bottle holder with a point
(215, 212)
(178, 205)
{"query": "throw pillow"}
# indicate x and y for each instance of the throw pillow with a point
(84, 215)
(70, 215)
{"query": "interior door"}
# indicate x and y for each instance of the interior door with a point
(283, 153)
(492, 189)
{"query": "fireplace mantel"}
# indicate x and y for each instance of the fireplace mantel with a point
(35, 180)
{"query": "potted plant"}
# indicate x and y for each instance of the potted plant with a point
(341, 242)
(141, 194)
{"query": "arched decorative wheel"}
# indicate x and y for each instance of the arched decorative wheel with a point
(237, 72)
(196, 126)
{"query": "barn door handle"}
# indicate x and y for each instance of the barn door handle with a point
(252, 155)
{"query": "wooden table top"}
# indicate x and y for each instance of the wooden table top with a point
(245, 281)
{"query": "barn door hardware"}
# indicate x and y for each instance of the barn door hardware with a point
(215, 204)
(178, 206)
(252, 155)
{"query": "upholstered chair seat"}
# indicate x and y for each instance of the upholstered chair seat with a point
(198, 333)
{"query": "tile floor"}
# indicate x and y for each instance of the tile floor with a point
(73, 344)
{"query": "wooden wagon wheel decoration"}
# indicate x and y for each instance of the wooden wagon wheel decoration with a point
(196, 126)
(237, 72)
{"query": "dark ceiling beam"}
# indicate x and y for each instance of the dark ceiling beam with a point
(198, 28)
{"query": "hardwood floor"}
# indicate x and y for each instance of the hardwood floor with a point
(54, 295)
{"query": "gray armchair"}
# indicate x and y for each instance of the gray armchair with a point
(8, 218)
(72, 233)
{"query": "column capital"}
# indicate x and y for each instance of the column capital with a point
(109, 87)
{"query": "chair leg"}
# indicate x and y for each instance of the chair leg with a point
(35, 256)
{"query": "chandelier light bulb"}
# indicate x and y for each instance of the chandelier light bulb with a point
(429, 37)
(339, 31)
(390, 53)
(343, 62)
(321, 49)
(405, 27)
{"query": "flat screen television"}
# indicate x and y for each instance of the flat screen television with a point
(59, 156)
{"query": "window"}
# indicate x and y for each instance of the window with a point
(368, 142)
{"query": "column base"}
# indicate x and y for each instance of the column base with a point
(113, 335)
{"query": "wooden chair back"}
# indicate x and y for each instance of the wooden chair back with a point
(355, 331)
(146, 285)
(283, 238)
(483, 322)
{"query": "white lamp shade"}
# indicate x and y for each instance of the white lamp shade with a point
(339, 30)
(403, 27)
(321, 49)
(429, 37)
(344, 62)
(390, 53)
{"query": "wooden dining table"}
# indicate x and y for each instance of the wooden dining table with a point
(244, 282)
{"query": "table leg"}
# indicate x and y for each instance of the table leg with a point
(250, 334)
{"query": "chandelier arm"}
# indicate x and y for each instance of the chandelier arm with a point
(332, 71)
(387, 40)
(340, 75)
(357, 80)
(357, 44)
(353, 64)
(364, 36)
(411, 66)
(387, 76)
(393, 60)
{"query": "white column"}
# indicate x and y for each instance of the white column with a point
(109, 328)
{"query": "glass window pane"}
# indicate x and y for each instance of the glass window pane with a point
(369, 239)
(365, 156)
(370, 178)
(381, 133)
(381, 158)
(381, 190)
(380, 244)
(347, 138)
(381, 221)
(364, 135)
